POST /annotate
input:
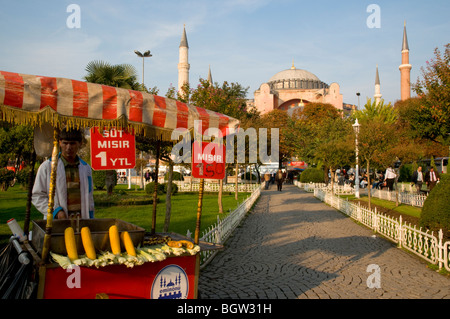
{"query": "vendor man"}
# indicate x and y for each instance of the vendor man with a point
(73, 187)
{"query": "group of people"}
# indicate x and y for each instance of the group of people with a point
(150, 175)
(431, 178)
(278, 178)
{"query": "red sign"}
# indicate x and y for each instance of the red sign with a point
(172, 278)
(208, 161)
(112, 149)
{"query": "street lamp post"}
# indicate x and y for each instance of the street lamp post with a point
(356, 129)
(146, 54)
(358, 94)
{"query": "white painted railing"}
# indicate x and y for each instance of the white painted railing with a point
(218, 233)
(422, 243)
(338, 189)
(403, 197)
(214, 187)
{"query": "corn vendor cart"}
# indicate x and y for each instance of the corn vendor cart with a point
(105, 258)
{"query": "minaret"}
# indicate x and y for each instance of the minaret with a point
(183, 62)
(210, 80)
(377, 95)
(405, 69)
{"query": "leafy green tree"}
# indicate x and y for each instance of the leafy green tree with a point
(120, 75)
(372, 110)
(321, 136)
(16, 144)
(433, 91)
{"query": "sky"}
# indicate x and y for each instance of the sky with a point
(242, 41)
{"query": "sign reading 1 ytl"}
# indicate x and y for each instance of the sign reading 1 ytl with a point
(112, 149)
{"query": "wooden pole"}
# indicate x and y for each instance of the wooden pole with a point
(199, 211)
(51, 200)
(155, 192)
(26, 226)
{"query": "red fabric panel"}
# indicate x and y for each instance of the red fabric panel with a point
(13, 89)
(80, 99)
(109, 103)
(136, 105)
(204, 117)
(182, 115)
(159, 114)
(48, 93)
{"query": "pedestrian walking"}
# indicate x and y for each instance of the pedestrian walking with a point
(279, 178)
(267, 180)
(390, 178)
(418, 179)
(432, 178)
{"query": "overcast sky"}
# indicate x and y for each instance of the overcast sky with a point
(244, 41)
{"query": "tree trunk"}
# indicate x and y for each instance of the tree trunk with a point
(368, 185)
(168, 198)
(333, 174)
(236, 181)
(110, 179)
(219, 199)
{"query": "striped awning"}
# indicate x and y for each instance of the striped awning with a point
(33, 100)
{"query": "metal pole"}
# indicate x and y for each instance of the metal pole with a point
(357, 168)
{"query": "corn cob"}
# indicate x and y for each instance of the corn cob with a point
(128, 243)
(114, 239)
(87, 243)
(71, 245)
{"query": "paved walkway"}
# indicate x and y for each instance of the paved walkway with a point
(294, 246)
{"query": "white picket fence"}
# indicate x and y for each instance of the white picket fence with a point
(422, 243)
(218, 233)
(337, 189)
(403, 197)
(214, 187)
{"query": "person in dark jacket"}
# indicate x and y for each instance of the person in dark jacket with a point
(279, 179)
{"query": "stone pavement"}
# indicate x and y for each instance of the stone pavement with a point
(294, 246)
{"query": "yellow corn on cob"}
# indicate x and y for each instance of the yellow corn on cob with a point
(71, 245)
(114, 239)
(87, 243)
(128, 243)
(187, 244)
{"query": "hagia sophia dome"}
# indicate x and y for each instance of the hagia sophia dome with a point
(293, 88)
(294, 73)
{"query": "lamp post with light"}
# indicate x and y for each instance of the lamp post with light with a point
(356, 129)
(146, 54)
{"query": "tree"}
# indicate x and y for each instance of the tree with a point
(313, 140)
(417, 124)
(374, 110)
(120, 75)
(284, 123)
(375, 139)
(336, 146)
(433, 91)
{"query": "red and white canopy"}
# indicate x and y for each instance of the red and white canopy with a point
(32, 100)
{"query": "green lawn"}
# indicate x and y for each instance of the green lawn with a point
(183, 217)
(401, 208)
